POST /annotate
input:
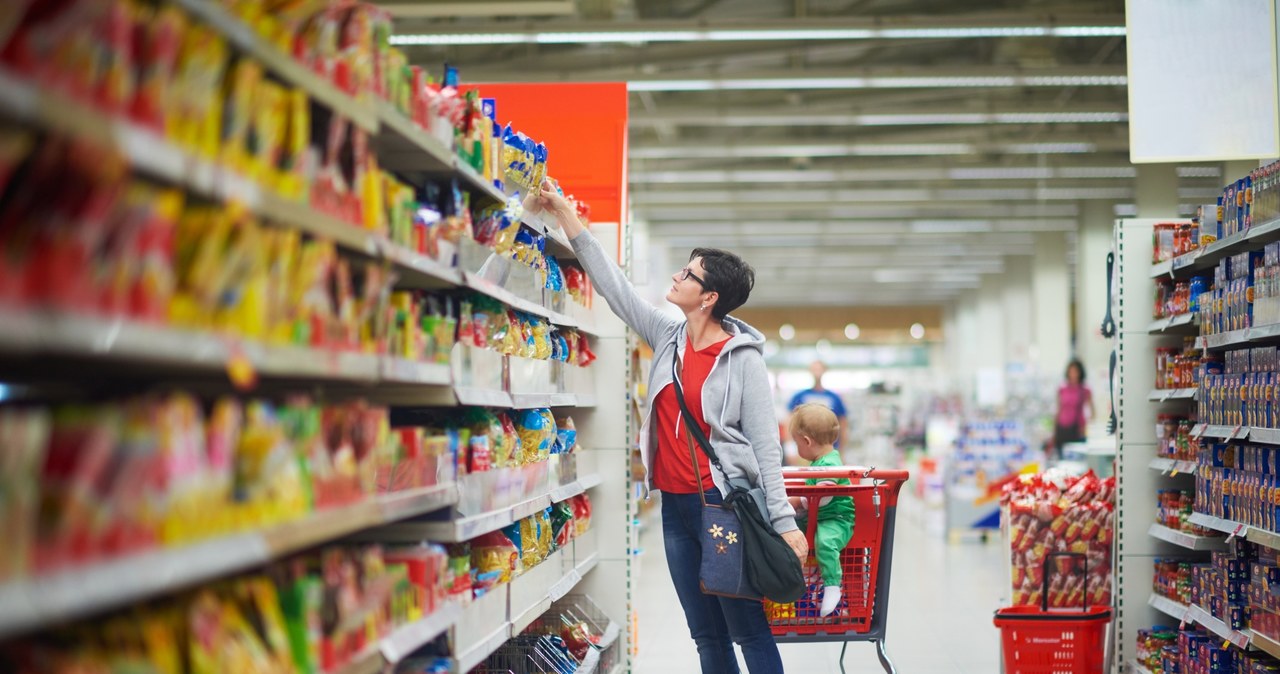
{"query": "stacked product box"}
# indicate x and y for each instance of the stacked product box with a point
(1263, 602)
(1222, 586)
(1266, 287)
(1240, 390)
(1240, 483)
(1228, 305)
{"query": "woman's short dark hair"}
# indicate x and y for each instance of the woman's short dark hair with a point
(1079, 366)
(728, 275)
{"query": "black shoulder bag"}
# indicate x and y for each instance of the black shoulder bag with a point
(742, 555)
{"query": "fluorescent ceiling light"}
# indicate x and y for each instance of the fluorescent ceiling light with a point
(800, 118)
(800, 82)
(922, 174)
(1199, 172)
(751, 35)
(950, 226)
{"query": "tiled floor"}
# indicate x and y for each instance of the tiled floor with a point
(941, 602)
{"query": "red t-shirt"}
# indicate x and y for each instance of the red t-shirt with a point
(672, 469)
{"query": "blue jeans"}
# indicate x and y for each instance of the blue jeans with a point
(715, 622)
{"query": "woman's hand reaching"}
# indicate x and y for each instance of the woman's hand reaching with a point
(549, 200)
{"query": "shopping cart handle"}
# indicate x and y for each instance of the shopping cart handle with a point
(845, 472)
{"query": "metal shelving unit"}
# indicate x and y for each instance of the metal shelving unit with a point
(82, 591)
(170, 354)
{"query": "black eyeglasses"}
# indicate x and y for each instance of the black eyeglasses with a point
(685, 275)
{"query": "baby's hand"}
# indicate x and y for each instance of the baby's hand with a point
(797, 502)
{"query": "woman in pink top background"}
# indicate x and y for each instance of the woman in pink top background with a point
(1073, 396)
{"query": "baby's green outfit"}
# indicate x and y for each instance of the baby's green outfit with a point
(835, 523)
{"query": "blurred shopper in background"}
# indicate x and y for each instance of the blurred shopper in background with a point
(1073, 398)
(821, 396)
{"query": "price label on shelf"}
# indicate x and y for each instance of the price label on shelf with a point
(1198, 430)
(1240, 639)
(1239, 530)
(1174, 472)
(1186, 618)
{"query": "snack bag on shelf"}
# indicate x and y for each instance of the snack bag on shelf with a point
(160, 38)
(25, 435)
(495, 559)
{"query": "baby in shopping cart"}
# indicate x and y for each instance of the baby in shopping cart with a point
(815, 428)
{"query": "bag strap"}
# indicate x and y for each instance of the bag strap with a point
(692, 430)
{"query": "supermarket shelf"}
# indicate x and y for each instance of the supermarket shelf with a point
(402, 642)
(482, 397)
(1169, 607)
(1166, 324)
(24, 333)
(1185, 540)
(284, 66)
(405, 371)
(1218, 524)
(466, 528)
(536, 591)
(530, 401)
(1136, 667)
(487, 287)
(1184, 266)
(1265, 436)
(405, 640)
(1267, 539)
(1221, 432)
(1224, 340)
(83, 591)
(477, 654)
(402, 134)
(419, 271)
(1162, 395)
(1265, 643)
(1174, 467)
(479, 184)
(1206, 620)
(1193, 613)
(158, 157)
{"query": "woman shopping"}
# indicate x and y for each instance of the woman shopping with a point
(1073, 399)
(726, 388)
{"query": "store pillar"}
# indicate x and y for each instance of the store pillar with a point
(1156, 191)
(1097, 221)
(1051, 298)
(1018, 309)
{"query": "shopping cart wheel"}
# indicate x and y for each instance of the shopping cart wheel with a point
(883, 654)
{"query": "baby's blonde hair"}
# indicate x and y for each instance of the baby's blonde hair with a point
(817, 422)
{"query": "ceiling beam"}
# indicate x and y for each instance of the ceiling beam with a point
(912, 27)
(1086, 114)
(1074, 144)
(868, 77)
(426, 9)
(705, 212)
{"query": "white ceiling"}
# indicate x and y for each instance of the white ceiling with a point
(855, 151)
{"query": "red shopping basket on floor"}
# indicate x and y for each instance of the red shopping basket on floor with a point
(1037, 641)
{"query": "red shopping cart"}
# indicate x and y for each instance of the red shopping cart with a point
(866, 562)
(1036, 640)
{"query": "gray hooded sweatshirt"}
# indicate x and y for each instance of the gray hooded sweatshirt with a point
(737, 400)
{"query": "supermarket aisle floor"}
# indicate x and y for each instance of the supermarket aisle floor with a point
(941, 602)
